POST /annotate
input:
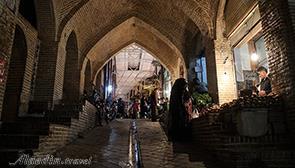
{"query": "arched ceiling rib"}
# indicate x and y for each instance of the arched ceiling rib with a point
(130, 31)
(95, 19)
(178, 20)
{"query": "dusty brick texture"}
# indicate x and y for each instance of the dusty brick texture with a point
(279, 37)
(61, 135)
(77, 37)
(7, 27)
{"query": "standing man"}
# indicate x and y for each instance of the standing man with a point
(264, 87)
(143, 107)
(154, 104)
(121, 108)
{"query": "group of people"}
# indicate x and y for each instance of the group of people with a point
(106, 110)
(148, 107)
(180, 105)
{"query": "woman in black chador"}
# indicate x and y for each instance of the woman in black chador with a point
(178, 117)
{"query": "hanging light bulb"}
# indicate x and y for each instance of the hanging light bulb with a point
(254, 57)
(110, 88)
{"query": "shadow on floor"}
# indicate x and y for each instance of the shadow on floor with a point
(196, 153)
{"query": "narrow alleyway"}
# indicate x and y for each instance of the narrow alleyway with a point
(109, 147)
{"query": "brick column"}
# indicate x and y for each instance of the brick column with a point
(45, 77)
(227, 89)
(279, 40)
(7, 27)
(211, 69)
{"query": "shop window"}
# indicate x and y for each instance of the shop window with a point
(248, 57)
(242, 61)
(200, 69)
(260, 50)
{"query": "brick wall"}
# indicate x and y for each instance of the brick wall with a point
(211, 69)
(46, 71)
(59, 72)
(230, 150)
(15, 76)
(292, 12)
(67, 72)
(7, 27)
(18, 90)
(47, 26)
(85, 81)
(224, 62)
(221, 77)
(31, 41)
(60, 135)
(235, 11)
(88, 77)
(71, 83)
(279, 39)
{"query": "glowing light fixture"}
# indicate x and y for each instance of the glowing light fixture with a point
(110, 88)
(167, 92)
(254, 57)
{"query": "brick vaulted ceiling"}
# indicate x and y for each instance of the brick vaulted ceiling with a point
(178, 20)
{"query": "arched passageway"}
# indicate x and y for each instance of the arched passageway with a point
(88, 77)
(136, 30)
(86, 82)
(71, 84)
(14, 85)
(222, 42)
(133, 68)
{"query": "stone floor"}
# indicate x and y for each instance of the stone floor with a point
(157, 151)
(108, 146)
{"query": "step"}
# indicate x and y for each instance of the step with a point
(8, 157)
(51, 120)
(18, 142)
(65, 114)
(28, 128)
(65, 111)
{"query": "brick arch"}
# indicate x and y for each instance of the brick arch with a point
(219, 21)
(66, 13)
(135, 30)
(171, 20)
(86, 76)
(172, 72)
(201, 11)
(15, 76)
(71, 71)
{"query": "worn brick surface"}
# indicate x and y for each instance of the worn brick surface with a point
(279, 36)
(60, 135)
(108, 146)
(7, 28)
(170, 30)
(157, 151)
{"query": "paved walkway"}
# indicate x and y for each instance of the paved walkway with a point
(157, 151)
(109, 147)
